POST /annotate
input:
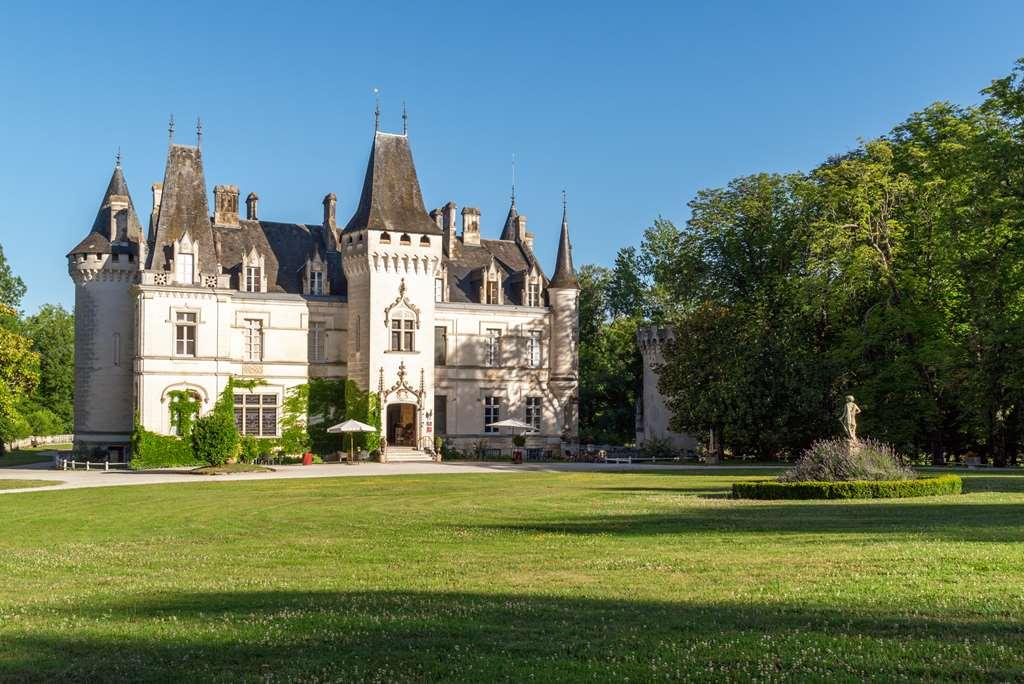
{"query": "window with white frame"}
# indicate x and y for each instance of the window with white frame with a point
(316, 341)
(533, 349)
(185, 269)
(403, 327)
(316, 283)
(492, 413)
(252, 340)
(533, 294)
(438, 289)
(492, 292)
(493, 346)
(253, 278)
(185, 333)
(256, 414)
(533, 412)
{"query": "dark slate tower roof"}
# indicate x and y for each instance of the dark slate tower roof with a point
(391, 199)
(509, 231)
(99, 237)
(565, 274)
(183, 207)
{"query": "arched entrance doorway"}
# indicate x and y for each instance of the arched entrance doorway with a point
(401, 425)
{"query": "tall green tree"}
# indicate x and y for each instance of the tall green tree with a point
(52, 332)
(12, 288)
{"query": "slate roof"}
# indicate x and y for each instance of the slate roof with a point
(183, 207)
(391, 199)
(285, 248)
(565, 274)
(467, 261)
(509, 231)
(99, 237)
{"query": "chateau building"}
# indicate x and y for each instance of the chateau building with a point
(453, 331)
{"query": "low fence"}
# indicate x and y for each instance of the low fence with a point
(40, 440)
(70, 464)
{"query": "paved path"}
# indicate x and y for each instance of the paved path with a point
(77, 479)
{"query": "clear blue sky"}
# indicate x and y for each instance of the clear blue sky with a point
(632, 107)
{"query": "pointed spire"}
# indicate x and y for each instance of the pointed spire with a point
(565, 274)
(376, 110)
(170, 131)
(405, 120)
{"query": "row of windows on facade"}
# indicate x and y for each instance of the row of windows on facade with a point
(256, 414)
(252, 280)
(489, 292)
(402, 339)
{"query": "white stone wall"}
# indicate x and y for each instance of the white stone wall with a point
(220, 330)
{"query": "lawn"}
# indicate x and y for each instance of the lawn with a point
(24, 484)
(31, 455)
(549, 576)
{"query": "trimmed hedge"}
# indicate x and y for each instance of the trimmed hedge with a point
(853, 489)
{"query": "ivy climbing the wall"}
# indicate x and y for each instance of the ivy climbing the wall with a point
(184, 407)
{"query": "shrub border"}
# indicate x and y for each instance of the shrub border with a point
(854, 489)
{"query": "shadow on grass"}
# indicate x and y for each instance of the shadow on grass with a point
(945, 519)
(403, 636)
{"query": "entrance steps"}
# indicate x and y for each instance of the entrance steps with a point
(406, 455)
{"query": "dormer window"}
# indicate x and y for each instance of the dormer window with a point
(405, 239)
(385, 239)
(491, 293)
(253, 278)
(533, 293)
(316, 283)
(185, 269)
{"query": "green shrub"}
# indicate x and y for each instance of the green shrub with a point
(851, 489)
(150, 450)
(214, 438)
(834, 460)
(519, 440)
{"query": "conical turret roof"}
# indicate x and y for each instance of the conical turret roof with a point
(565, 274)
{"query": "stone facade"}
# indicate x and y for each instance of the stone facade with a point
(652, 413)
(451, 331)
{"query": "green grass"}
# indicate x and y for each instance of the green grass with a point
(544, 576)
(28, 455)
(24, 484)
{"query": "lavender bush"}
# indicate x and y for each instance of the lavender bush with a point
(833, 460)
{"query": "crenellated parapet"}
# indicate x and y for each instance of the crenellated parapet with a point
(650, 339)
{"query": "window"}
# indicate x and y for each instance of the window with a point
(316, 341)
(492, 411)
(440, 345)
(385, 239)
(402, 333)
(253, 340)
(405, 239)
(117, 349)
(533, 349)
(186, 269)
(533, 412)
(256, 414)
(440, 414)
(253, 276)
(424, 241)
(316, 283)
(438, 289)
(185, 333)
(492, 292)
(493, 346)
(533, 294)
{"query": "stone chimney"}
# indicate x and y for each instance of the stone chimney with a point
(158, 191)
(520, 223)
(331, 211)
(225, 205)
(470, 226)
(252, 205)
(447, 225)
(118, 218)
(437, 217)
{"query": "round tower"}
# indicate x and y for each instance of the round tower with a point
(104, 268)
(652, 413)
(563, 297)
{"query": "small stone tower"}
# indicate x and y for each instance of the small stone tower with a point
(563, 297)
(105, 266)
(652, 413)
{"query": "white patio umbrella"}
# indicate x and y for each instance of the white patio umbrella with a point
(512, 423)
(351, 426)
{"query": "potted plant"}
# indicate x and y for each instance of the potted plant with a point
(519, 441)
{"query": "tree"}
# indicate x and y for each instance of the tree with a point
(19, 375)
(12, 288)
(625, 291)
(52, 331)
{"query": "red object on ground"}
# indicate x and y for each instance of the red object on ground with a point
(307, 458)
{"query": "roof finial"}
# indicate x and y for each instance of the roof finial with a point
(513, 179)
(117, 157)
(565, 206)
(170, 130)
(199, 131)
(376, 110)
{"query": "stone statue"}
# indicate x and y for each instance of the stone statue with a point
(848, 418)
